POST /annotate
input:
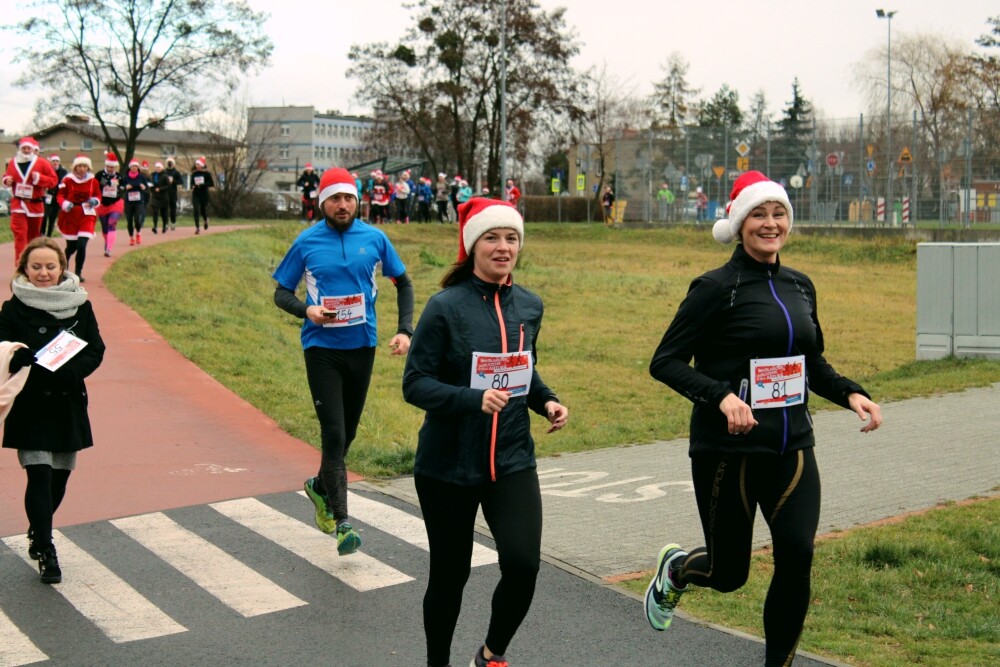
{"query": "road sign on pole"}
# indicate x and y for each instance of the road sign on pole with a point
(742, 148)
(870, 165)
(832, 160)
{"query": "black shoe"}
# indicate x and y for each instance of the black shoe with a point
(48, 567)
(33, 552)
(154, 230)
(206, 224)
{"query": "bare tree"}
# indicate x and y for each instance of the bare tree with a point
(131, 64)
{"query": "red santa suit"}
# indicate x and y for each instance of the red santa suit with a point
(78, 199)
(28, 182)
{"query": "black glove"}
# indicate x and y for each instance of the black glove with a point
(23, 357)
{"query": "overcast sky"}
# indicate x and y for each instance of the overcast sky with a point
(748, 44)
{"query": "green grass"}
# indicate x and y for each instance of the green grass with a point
(609, 295)
(923, 591)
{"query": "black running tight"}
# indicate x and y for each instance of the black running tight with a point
(787, 489)
(512, 507)
(77, 246)
(42, 497)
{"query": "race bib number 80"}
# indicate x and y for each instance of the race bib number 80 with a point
(510, 372)
(778, 382)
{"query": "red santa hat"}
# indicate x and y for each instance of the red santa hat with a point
(157, 165)
(750, 190)
(82, 159)
(28, 141)
(145, 164)
(110, 160)
(478, 216)
(133, 163)
(199, 162)
(54, 158)
(309, 165)
(334, 181)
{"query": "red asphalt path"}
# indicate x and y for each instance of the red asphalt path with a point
(166, 433)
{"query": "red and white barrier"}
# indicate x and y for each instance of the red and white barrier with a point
(880, 210)
(906, 209)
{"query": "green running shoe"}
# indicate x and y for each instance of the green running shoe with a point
(661, 595)
(324, 517)
(348, 540)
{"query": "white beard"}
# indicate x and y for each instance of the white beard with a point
(22, 158)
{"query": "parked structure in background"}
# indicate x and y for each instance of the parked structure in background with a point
(304, 135)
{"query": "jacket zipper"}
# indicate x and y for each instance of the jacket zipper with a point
(791, 338)
(503, 349)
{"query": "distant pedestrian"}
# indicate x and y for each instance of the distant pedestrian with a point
(308, 185)
(51, 196)
(78, 199)
(201, 183)
(425, 195)
(48, 423)
(442, 193)
(146, 177)
(401, 196)
(464, 192)
(112, 205)
(512, 194)
(456, 185)
(380, 193)
(475, 448)
(134, 185)
(338, 258)
(608, 202)
(29, 177)
(159, 201)
(174, 180)
(751, 328)
(665, 199)
(701, 205)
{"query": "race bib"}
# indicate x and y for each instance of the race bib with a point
(311, 194)
(199, 180)
(779, 382)
(88, 210)
(60, 349)
(23, 191)
(110, 191)
(348, 311)
(134, 195)
(48, 199)
(510, 372)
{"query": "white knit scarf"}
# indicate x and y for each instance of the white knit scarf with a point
(60, 301)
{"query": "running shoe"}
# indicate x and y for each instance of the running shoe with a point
(324, 517)
(661, 595)
(138, 238)
(48, 567)
(480, 661)
(131, 241)
(348, 540)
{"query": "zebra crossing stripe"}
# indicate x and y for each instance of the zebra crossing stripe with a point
(15, 647)
(101, 596)
(404, 525)
(359, 571)
(233, 583)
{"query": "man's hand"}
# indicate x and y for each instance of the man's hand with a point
(400, 344)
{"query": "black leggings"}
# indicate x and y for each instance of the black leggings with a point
(79, 247)
(338, 382)
(134, 216)
(442, 207)
(786, 487)
(51, 215)
(512, 507)
(42, 497)
(200, 206)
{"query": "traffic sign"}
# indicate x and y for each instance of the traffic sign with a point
(832, 160)
(718, 171)
(742, 163)
(870, 165)
(742, 148)
(905, 157)
(734, 174)
(848, 179)
(581, 182)
(684, 182)
(556, 186)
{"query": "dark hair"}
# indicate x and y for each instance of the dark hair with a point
(459, 272)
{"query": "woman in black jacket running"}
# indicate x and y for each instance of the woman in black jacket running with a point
(472, 368)
(751, 327)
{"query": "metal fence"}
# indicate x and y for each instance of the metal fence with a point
(836, 171)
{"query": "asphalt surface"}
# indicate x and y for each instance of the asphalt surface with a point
(172, 441)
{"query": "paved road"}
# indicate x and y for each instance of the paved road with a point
(173, 442)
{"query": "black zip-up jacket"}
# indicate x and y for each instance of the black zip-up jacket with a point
(454, 442)
(741, 311)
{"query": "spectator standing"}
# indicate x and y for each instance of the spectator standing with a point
(338, 258)
(665, 198)
(456, 185)
(701, 205)
(174, 180)
(464, 192)
(381, 194)
(201, 183)
(402, 195)
(442, 193)
(78, 199)
(51, 196)
(48, 423)
(608, 202)
(424, 197)
(29, 177)
(308, 184)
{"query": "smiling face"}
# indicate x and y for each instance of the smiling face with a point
(495, 254)
(764, 231)
(43, 267)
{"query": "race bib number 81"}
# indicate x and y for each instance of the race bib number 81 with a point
(510, 372)
(778, 382)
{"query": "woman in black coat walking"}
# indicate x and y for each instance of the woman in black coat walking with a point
(48, 422)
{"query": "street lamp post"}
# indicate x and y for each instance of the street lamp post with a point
(882, 14)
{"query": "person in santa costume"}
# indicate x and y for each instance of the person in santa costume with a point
(112, 205)
(51, 205)
(308, 183)
(78, 198)
(28, 177)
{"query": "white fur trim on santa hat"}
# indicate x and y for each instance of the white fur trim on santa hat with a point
(749, 198)
(110, 160)
(335, 181)
(28, 141)
(82, 159)
(492, 216)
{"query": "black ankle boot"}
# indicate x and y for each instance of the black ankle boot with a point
(33, 552)
(48, 567)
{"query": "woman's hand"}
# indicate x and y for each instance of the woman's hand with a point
(557, 415)
(494, 400)
(399, 344)
(739, 416)
(866, 408)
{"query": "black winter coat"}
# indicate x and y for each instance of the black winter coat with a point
(454, 441)
(50, 413)
(730, 316)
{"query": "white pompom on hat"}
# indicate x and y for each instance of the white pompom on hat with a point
(750, 190)
(478, 216)
(82, 159)
(334, 181)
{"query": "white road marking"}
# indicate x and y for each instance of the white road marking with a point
(234, 584)
(359, 570)
(15, 647)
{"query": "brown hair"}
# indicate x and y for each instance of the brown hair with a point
(459, 272)
(41, 242)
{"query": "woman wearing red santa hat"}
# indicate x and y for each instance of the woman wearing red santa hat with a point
(78, 198)
(751, 328)
(28, 176)
(472, 368)
(134, 184)
(112, 205)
